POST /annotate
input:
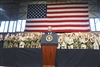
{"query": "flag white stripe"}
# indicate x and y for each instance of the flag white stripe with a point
(58, 28)
(57, 6)
(54, 19)
(61, 10)
(63, 23)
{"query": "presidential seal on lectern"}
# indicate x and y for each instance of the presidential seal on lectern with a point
(49, 38)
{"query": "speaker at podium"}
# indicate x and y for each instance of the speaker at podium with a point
(49, 43)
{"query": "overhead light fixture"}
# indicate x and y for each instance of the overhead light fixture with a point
(2, 9)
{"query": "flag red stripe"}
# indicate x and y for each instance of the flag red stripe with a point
(57, 25)
(88, 30)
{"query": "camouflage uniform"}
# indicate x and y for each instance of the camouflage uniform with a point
(82, 41)
(70, 43)
(89, 44)
(6, 42)
(16, 43)
(22, 42)
(38, 45)
(11, 42)
(59, 42)
(27, 43)
(99, 40)
(37, 41)
(76, 43)
(63, 45)
(96, 44)
(66, 39)
(34, 42)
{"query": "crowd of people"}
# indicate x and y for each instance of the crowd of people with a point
(79, 41)
(65, 40)
(22, 40)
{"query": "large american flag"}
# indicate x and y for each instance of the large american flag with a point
(62, 17)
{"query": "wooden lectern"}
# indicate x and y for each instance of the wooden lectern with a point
(49, 45)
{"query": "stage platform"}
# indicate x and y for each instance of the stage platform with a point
(17, 57)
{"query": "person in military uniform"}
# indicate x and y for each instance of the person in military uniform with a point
(34, 41)
(32, 45)
(70, 42)
(59, 41)
(22, 41)
(6, 41)
(27, 41)
(16, 42)
(96, 43)
(66, 39)
(76, 43)
(11, 41)
(38, 41)
(1, 40)
(63, 43)
(98, 40)
(89, 42)
(82, 42)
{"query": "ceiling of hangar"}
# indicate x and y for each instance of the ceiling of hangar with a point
(17, 1)
(12, 1)
(17, 9)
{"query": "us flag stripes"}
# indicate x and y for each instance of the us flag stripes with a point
(63, 17)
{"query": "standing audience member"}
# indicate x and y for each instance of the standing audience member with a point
(63, 44)
(11, 41)
(1, 40)
(16, 41)
(76, 43)
(99, 40)
(6, 41)
(65, 41)
(96, 44)
(21, 41)
(82, 41)
(70, 42)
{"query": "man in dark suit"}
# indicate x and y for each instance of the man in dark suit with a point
(49, 30)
